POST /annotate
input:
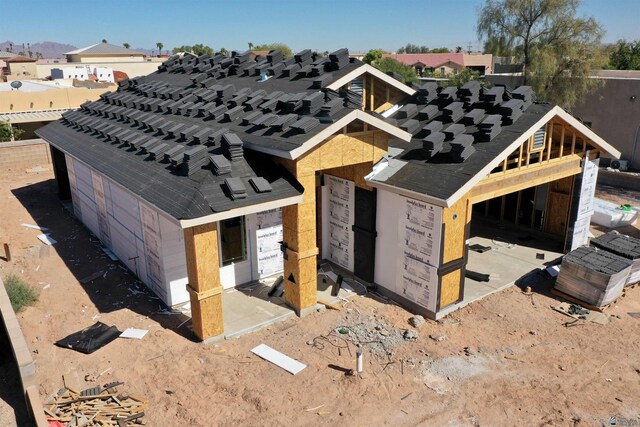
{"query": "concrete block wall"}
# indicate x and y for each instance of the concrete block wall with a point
(21, 155)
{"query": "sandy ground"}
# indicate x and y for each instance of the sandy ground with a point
(506, 360)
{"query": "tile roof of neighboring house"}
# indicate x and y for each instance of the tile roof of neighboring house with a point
(103, 49)
(4, 54)
(458, 133)
(430, 60)
(19, 58)
(157, 134)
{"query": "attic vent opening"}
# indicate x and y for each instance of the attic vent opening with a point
(537, 142)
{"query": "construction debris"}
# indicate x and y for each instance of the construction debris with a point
(282, 360)
(96, 406)
(416, 321)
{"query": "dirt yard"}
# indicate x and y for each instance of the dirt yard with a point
(508, 360)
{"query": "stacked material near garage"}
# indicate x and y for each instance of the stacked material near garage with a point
(624, 246)
(592, 275)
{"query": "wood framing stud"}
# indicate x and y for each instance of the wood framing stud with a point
(203, 270)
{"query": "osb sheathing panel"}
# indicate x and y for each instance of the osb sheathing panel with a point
(450, 288)
(455, 220)
(350, 156)
(203, 270)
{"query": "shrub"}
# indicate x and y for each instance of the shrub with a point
(20, 293)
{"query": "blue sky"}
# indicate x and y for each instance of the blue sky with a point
(323, 25)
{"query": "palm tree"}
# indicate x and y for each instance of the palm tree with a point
(250, 46)
(458, 49)
(126, 45)
(104, 41)
(159, 45)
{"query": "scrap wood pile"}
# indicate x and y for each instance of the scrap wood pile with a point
(96, 406)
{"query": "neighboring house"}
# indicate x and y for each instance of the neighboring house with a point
(100, 74)
(444, 64)
(104, 52)
(101, 56)
(611, 110)
(19, 68)
(37, 103)
(206, 175)
(77, 72)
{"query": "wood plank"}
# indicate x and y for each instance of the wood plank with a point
(562, 134)
(531, 176)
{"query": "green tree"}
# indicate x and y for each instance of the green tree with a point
(9, 132)
(126, 45)
(458, 49)
(159, 45)
(196, 49)
(286, 50)
(558, 50)
(223, 51)
(373, 56)
(407, 72)
(465, 75)
(498, 46)
(625, 55)
(250, 45)
(440, 50)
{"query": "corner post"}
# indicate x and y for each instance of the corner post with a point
(205, 290)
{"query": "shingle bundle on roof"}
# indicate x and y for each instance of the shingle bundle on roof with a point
(525, 94)
(338, 59)
(453, 112)
(232, 144)
(194, 158)
(493, 96)
(433, 143)
(473, 117)
(511, 111)
(489, 128)
(260, 185)
(469, 93)
(427, 92)
(220, 164)
(311, 104)
(236, 188)
(461, 148)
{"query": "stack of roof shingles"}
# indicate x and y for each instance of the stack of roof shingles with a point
(447, 121)
(624, 246)
(147, 114)
(592, 275)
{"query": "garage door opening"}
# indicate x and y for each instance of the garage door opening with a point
(513, 235)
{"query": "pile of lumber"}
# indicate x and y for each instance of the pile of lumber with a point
(97, 406)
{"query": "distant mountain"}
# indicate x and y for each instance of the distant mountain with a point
(47, 49)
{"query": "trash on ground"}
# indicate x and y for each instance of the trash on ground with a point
(35, 227)
(478, 277)
(479, 248)
(578, 312)
(134, 333)
(47, 239)
(416, 321)
(96, 406)
(553, 270)
(278, 359)
(90, 339)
